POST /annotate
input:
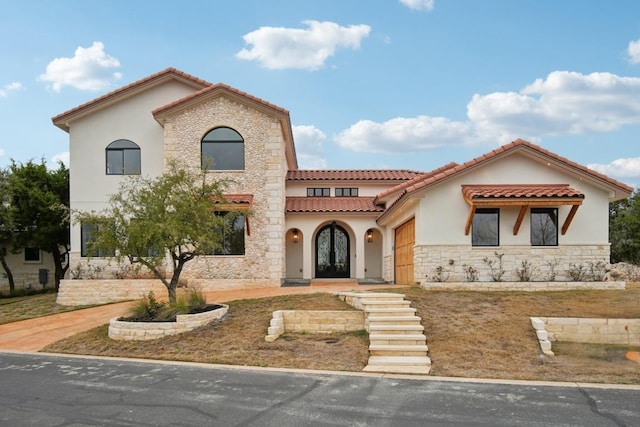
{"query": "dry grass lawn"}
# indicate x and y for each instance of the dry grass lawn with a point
(28, 307)
(470, 334)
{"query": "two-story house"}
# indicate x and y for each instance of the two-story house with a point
(397, 226)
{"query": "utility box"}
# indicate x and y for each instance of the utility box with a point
(43, 276)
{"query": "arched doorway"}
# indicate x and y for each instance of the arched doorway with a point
(332, 252)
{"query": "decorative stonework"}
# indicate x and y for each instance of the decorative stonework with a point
(121, 330)
(454, 258)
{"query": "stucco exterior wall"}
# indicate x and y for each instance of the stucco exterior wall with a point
(90, 186)
(264, 177)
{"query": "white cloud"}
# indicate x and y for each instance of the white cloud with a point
(60, 157)
(623, 168)
(634, 51)
(10, 87)
(308, 49)
(404, 134)
(1, 152)
(89, 69)
(426, 5)
(565, 103)
(310, 147)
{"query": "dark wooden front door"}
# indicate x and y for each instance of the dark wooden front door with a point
(332, 252)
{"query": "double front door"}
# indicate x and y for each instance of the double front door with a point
(332, 252)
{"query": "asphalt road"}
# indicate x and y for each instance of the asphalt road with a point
(43, 390)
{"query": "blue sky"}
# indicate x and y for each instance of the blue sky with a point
(399, 84)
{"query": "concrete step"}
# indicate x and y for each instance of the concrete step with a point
(373, 312)
(392, 320)
(393, 369)
(384, 304)
(397, 339)
(376, 328)
(399, 364)
(398, 350)
(399, 360)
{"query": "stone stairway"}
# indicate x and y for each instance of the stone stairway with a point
(397, 343)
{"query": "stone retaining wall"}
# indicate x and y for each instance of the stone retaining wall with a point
(101, 291)
(316, 321)
(142, 331)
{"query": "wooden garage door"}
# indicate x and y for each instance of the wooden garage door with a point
(405, 240)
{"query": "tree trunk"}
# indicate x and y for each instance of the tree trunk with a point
(60, 268)
(7, 270)
(175, 278)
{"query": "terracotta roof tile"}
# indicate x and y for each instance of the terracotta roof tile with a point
(331, 204)
(60, 119)
(351, 175)
(518, 191)
(213, 88)
(416, 178)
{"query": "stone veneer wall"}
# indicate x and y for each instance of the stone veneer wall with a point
(264, 177)
(453, 258)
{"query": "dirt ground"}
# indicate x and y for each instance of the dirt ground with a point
(469, 334)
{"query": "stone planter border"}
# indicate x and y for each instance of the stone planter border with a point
(142, 331)
(522, 286)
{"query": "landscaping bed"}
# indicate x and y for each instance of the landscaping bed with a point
(470, 334)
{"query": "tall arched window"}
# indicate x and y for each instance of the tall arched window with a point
(123, 158)
(222, 149)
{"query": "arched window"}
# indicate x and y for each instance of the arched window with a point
(222, 149)
(123, 158)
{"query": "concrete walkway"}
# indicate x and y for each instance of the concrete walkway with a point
(35, 334)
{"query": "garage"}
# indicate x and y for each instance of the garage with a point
(405, 239)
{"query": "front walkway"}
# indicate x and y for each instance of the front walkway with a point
(35, 334)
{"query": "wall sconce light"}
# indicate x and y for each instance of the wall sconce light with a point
(295, 235)
(370, 235)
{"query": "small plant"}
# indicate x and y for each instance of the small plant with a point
(147, 309)
(598, 270)
(470, 273)
(77, 272)
(441, 275)
(553, 269)
(495, 267)
(526, 272)
(576, 272)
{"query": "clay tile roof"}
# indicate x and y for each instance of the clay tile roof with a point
(351, 175)
(61, 119)
(214, 88)
(239, 198)
(411, 183)
(532, 191)
(331, 204)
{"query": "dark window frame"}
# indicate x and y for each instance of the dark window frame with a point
(126, 154)
(233, 241)
(347, 192)
(86, 229)
(318, 192)
(538, 236)
(478, 239)
(228, 142)
(29, 255)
